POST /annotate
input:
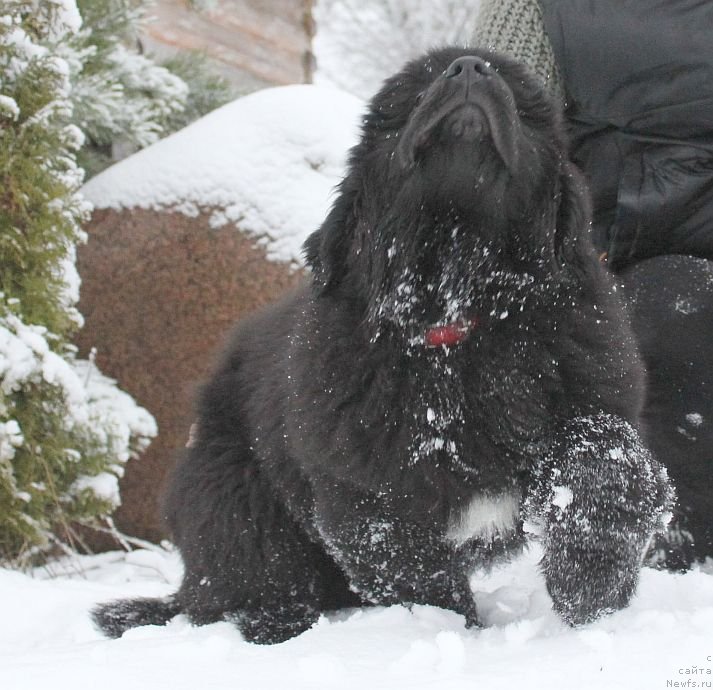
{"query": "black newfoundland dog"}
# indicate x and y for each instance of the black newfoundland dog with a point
(458, 365)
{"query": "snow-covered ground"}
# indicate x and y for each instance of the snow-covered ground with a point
(664, 639)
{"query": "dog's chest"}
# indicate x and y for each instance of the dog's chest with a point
(485, 417)
(439, 426)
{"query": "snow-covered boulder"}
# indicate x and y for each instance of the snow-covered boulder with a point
(190, 234)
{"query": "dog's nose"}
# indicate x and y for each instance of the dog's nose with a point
(468, 67)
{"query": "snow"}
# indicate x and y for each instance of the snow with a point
(360, 42)
(562, 497)
(104, 486)
(138, 97)
(92, 400)
(25, 356)
(9, 107)
(694, 419)
(116, 412)
(65, 19)
(10, 439)
(47, 639)
(266, 162)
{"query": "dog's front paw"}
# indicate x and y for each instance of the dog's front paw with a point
(587, 580)
(601, 496)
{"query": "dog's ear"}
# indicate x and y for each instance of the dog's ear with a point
(574, 215)
(325, 250)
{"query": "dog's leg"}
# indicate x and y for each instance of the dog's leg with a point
(388, 559)
(601, 497)
(246, 559)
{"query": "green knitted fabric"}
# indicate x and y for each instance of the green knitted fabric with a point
(515, 27)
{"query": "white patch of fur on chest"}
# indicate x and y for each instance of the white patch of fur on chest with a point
(484, 518)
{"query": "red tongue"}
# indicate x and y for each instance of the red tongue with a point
(450, 334)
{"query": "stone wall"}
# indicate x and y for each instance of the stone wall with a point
(160, 292)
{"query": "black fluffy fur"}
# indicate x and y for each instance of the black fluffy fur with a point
(672, 308)
(336, 450)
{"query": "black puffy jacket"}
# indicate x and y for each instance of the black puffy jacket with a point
(638, 75)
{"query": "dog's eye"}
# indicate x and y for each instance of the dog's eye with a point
(420, 96)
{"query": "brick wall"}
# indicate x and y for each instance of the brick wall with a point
(253, 43)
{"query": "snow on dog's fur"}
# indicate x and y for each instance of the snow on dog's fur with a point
(458, 361)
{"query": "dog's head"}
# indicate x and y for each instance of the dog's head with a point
(460, 187)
